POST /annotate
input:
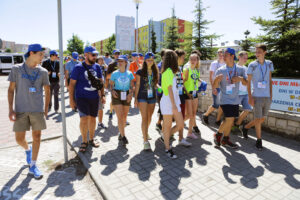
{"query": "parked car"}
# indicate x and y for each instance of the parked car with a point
(7, 60)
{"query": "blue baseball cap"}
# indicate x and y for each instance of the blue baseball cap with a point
(75, 55)
(231, 51)
(34, 47)
(141, 55)
(53, 52)
(134, 54)
(123, 57)
(203, 86)
(116, 51)
(90, 49)
(149, 55)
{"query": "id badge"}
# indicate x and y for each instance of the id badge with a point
(180, 89)
(123, 96)
(229, 89)
(150, 93)
(53, 74)
(261, 85)
(32, 90)
(194, 93)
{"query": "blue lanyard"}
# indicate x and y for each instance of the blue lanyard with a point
(196, 76)
(52, 65)
(150, 80)
(29, 77)
(233, 72)
(261, 70)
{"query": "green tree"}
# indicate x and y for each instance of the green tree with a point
(282, 37)
(75, 44)
(111, 45)
(153, 39)
(8, 50)
(246, 44)
(172, 38)
(201, 40)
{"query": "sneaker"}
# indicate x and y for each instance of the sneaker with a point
(192, 136)
(127, 123)
(245, 132)
(217, 139)
(120, 137)
(110, 116)
(124, 140)
(196, 129)
(101, 126)
(228, 143)
(259, 144)
(218, 123)
(147, 146)
(35, 172)
(158, 127)
(170, 154)
(205, 119)
(28, 155)
(185, 143)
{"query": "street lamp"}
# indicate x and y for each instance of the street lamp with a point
(137, 2)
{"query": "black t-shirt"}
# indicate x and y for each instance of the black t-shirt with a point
(113, 66)
(144, 85)
(52, 66)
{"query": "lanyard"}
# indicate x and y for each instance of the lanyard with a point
(53, 67)
(196, 76)
(32, 81)
(261, 70)
(233, 72)
(150, 80)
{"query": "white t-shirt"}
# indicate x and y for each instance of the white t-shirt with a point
(214, 66)
(165, 102)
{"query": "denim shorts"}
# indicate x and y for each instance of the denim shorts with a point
(148, 101)
(244, 102)
(216, 99)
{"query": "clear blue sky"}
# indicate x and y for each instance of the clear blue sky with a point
(35, 21)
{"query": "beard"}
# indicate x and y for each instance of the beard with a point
(91, 61)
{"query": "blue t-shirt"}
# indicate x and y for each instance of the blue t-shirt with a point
(107, 60)
(83, 88)
(71, 65)
(122, 80)
(259, 74)
(225, 96)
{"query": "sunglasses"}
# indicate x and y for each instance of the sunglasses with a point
(93, 54)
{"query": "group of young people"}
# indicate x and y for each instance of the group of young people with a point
(171, 84)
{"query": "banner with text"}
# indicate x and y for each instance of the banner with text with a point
(286, 95)
(125, 33)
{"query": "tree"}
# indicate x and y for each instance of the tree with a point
(201, 41)
(282, 37)
(153, 39)
(111, 45)
(8, 50)
(75, 44)
(172, 34)
(246, 44)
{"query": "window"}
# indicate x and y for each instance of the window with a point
(18, 59)
(6, 59)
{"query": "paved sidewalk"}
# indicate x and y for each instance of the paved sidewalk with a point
(60, 181)
(200, 172)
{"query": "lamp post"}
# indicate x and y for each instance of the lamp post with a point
(137, 2)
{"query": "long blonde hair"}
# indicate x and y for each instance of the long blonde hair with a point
(198, 58)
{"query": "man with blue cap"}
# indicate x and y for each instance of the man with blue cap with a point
(52, 65)
(228, 78)
(70, 66)
(87, 83)
(113, 66)
(27, 82)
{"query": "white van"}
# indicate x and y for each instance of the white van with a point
(7, 60)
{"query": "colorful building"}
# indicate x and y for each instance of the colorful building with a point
(185, 29)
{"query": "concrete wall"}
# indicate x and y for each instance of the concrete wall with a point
(277, 121)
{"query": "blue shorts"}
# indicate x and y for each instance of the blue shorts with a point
(87, 107)
(148, 101)
(216, 99)
(244, 102)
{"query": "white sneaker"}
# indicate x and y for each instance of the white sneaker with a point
(147, 146)
(185, 143)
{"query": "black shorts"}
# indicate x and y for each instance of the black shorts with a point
(87, 107)
(188, 98)
(230, 110)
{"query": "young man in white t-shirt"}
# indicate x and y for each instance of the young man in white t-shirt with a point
(215, 91)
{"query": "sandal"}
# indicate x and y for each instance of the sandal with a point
(94, 143)
(83, 147)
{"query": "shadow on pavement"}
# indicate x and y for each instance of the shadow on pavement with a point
(20, 190)
(106, 134)
(112, 158)
(58, 116)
